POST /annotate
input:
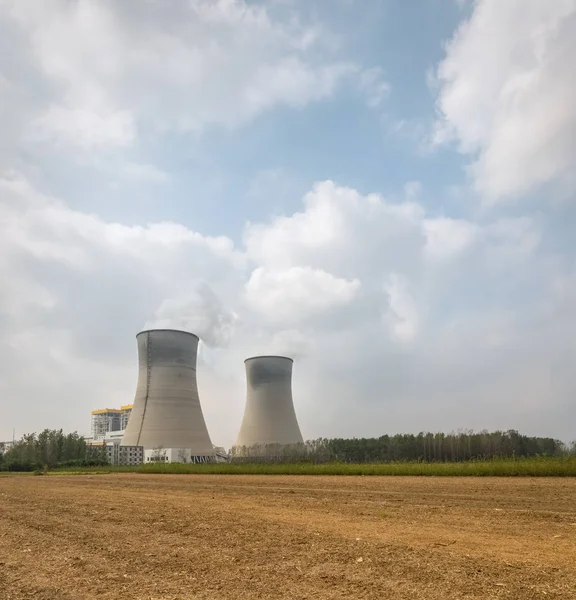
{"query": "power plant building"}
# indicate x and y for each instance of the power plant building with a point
(105, 420)
(166, 415)
(269, 415)
(125, 412)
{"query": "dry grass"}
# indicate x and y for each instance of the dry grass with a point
(129, 536)
(540, 466)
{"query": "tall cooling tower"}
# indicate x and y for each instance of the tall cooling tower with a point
(269, 416)
(167, 411)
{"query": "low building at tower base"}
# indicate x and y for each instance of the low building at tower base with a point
(175, 455)
(116, 454)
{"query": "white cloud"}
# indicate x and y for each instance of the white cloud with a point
(512, 238)
(402, 313)
(400, 317)
(74, 291)
(341, 231)
(447, 237)
(341, 300)
(291, 342)
(23, 297)
(199, 311)
(507, 95)
(99, 74)
(297, 293)
(84, 128)
(49, 230)
(255, 340)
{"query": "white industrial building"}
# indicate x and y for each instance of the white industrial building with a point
(174, 455)
(106, 420)
(124, 455)
(125, 412)
(5, 446)
(116, 454)
(111, 436)
(113, 439)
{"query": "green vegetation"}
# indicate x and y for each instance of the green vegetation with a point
(522, 467)
(50, 449)
(426, 447)
(485, 453)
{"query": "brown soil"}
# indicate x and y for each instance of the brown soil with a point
(214, 537)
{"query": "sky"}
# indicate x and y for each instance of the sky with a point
(383, 190)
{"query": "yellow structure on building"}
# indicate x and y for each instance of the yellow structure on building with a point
(125, 412)
(105, 420)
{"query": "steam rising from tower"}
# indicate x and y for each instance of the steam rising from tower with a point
(269, 416)
(167, 411)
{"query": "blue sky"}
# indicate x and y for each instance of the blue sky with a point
(343, 138)
(382, 189)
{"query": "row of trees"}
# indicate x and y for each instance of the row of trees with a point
(428, 447)
(52, 448)
(48, 449)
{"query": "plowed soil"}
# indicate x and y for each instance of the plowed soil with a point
(154, 537)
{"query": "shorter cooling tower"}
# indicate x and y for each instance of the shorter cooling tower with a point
(269, 416)
(167, 411)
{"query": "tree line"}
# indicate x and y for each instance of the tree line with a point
(49, 449)
(424, 447)
(53, 448)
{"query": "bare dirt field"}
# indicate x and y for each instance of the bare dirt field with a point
(127, 537)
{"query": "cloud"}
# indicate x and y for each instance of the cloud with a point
(297, 293)
(99, 75)
(74, 291)
(373, 322)
(61, 260)
(400, 316)
(402, 313)
(47, 229)
(509, 103)
(339, 230)
(199, 311)
(447, 237)
(87, 129)
(291, 342)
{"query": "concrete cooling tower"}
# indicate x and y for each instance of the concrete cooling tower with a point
(269, 416)
(167, 411)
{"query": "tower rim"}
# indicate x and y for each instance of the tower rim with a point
(165, 330)
(269, 356)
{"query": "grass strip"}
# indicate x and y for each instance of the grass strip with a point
(522, 467)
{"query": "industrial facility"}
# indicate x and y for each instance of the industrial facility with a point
(166, 413)
(269, 415)
(106, 420)
(166, 424)
(120, 455)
